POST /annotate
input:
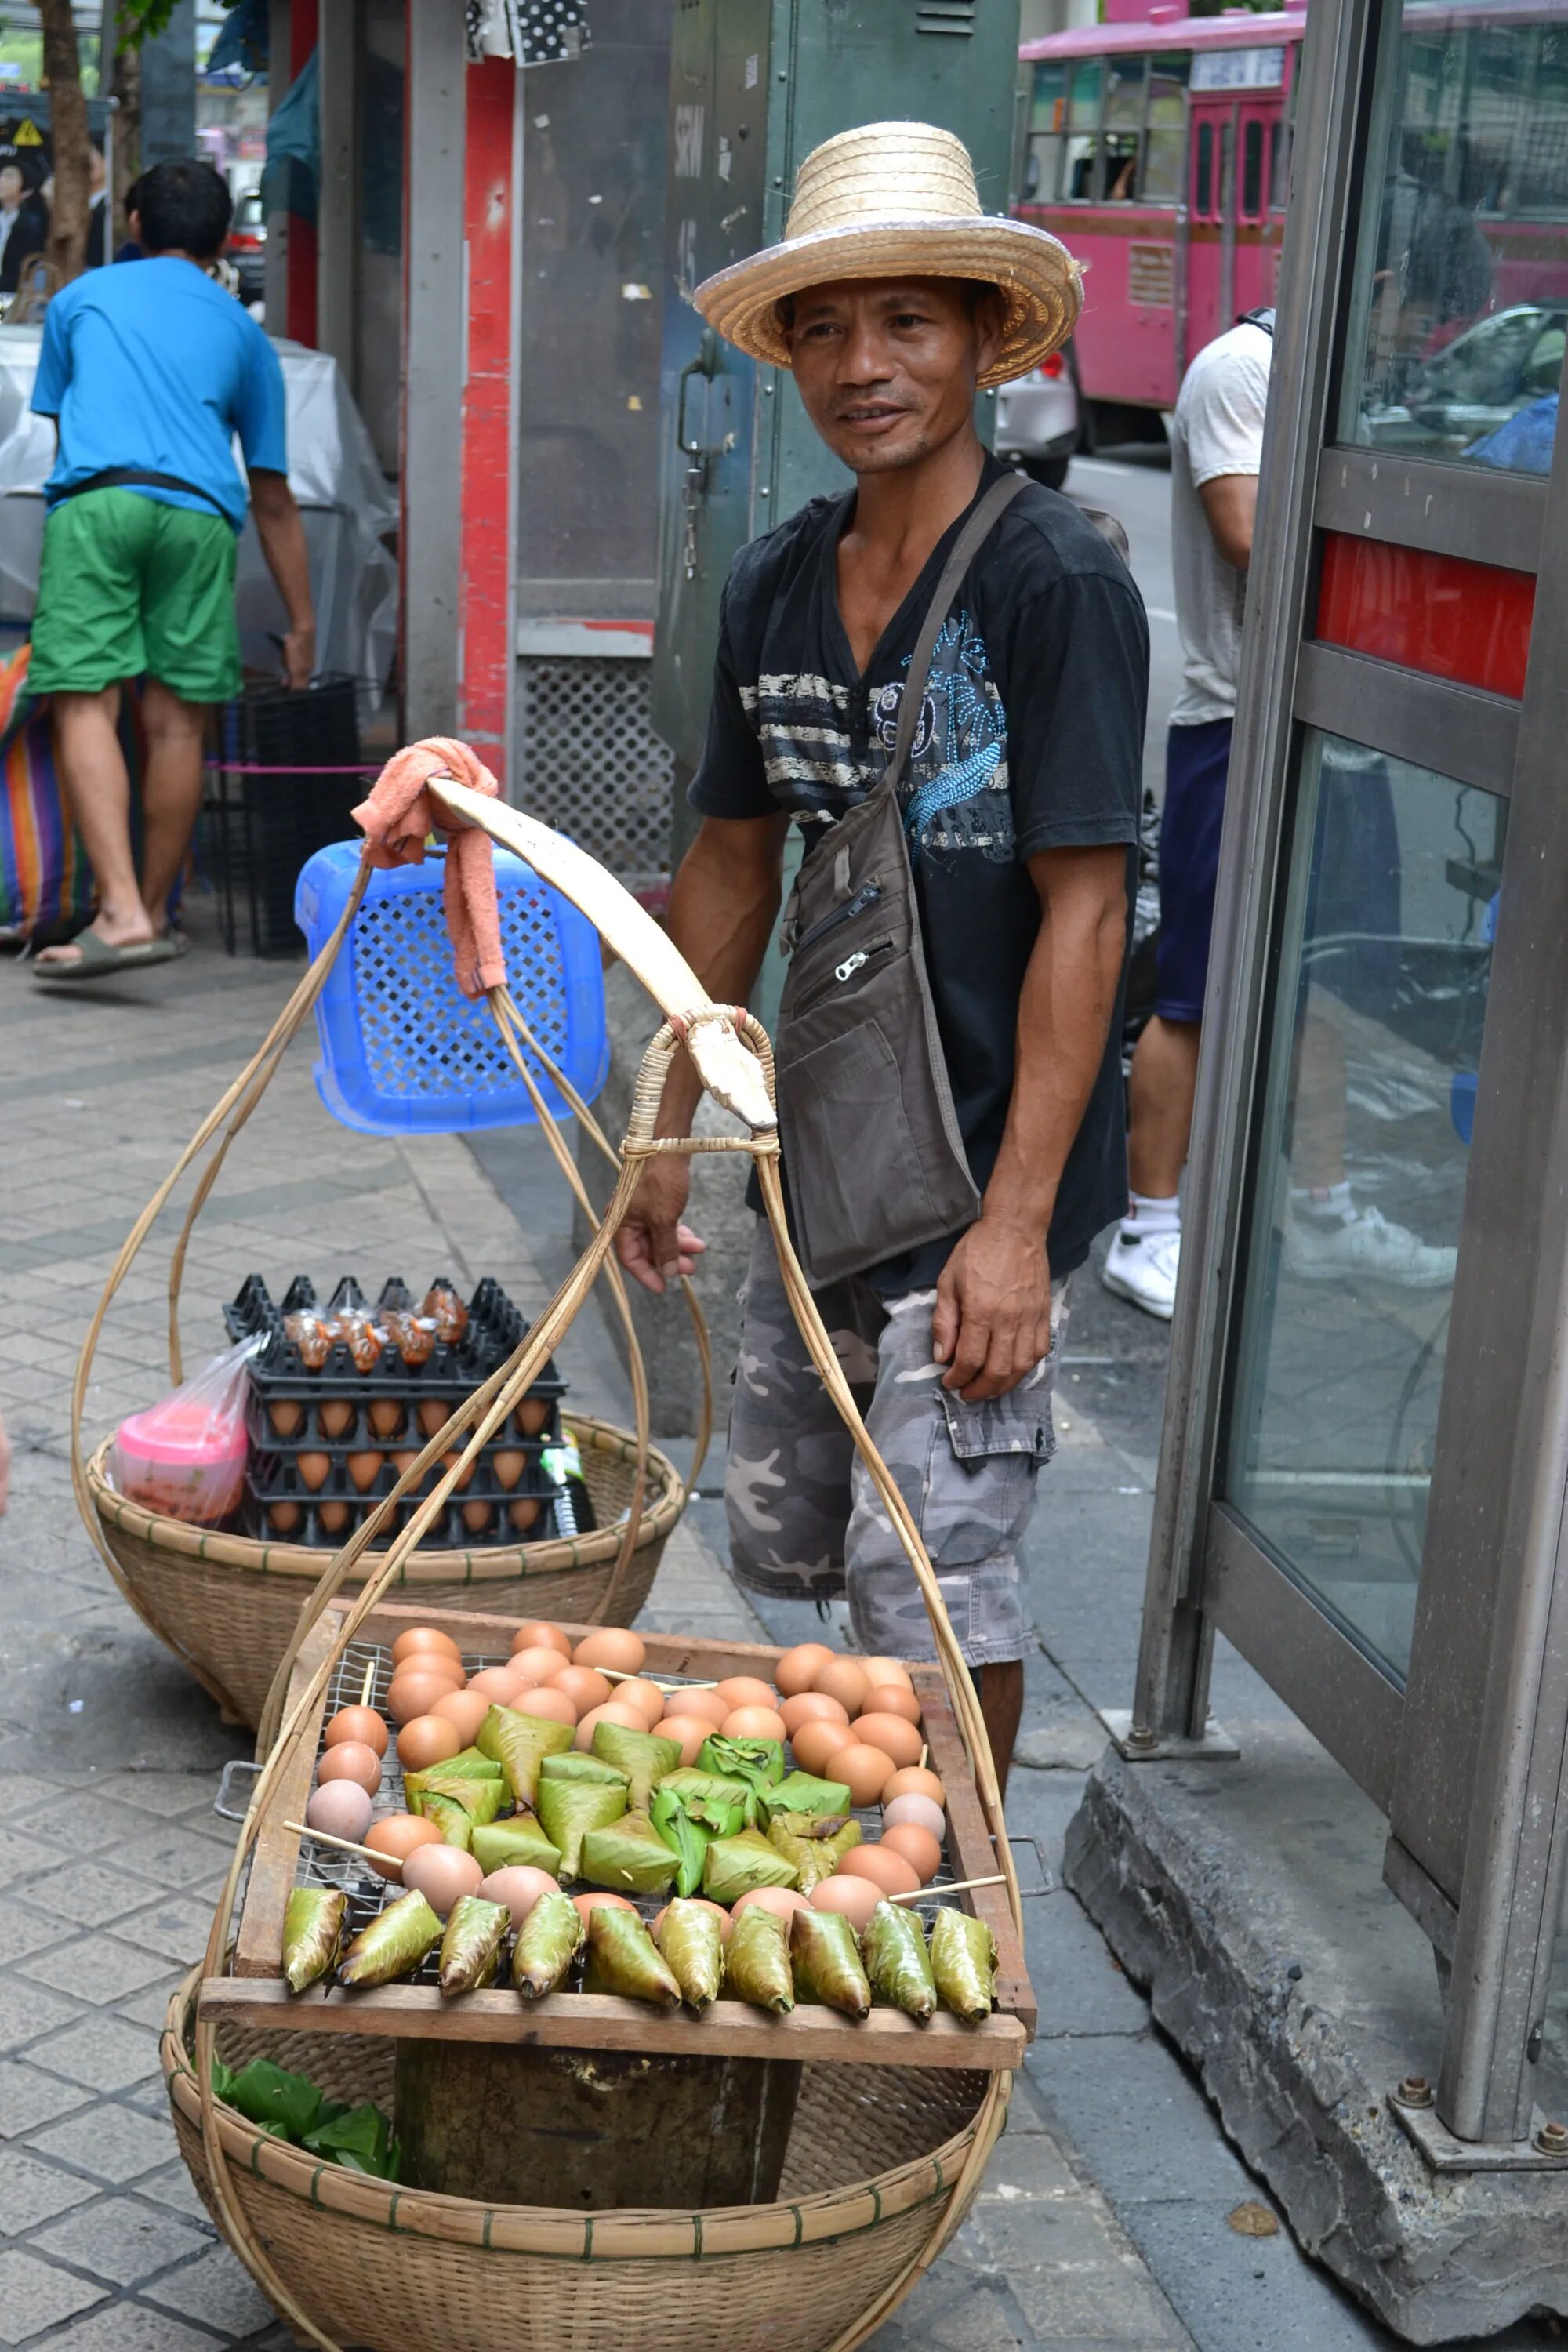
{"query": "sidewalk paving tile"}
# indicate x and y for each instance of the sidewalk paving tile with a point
(99, 1968)
(36, 2294)
(35, 2191)
(28, 2098)
(217, 2290)
(131, 2327)
(121, 2239)
(104, 2052)
(117, 2142)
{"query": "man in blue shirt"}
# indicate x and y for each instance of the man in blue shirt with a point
(150, 373)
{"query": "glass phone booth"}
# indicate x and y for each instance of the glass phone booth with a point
(1364, 1466)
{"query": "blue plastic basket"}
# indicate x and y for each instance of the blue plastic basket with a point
(403, 1052)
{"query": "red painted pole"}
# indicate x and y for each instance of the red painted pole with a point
(489, 492)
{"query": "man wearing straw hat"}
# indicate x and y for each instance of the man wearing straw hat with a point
(977, 1155)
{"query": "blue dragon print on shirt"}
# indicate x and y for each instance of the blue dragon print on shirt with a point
(957, 796)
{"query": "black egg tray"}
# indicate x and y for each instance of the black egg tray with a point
(311, 1438)
(275, 1476)
(447, 1532)
(452, 1371)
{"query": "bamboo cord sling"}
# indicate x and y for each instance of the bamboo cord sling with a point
(439, 785)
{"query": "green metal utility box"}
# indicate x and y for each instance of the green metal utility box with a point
(755, 86)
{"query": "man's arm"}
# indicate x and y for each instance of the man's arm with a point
(992, 1319)
(1230, 505)
(282, 537)
(723, 907)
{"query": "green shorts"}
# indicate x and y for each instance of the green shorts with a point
(131, 587)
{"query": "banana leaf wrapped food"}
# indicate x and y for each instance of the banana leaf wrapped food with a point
(628, 1855)
(480, 1796)
(757, 1764)
(519, 1743)
(573, 1803)
(471, 1947)
(897, 1962)
(825, 1960)
(687, 1838)
(312, 1931)
(497, 1845)
(624, 1958)
(734, 1866)
(756, 1960)
(814, 1843)
(547, 1943)
(643, 1755)
(692, 1941)
(394, 1944)
(963, 1964)
(804, 1793)
(720, 1804)
(452, 1819)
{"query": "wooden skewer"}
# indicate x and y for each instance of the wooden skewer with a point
(368, 1684)
(925, 1751)
(955, 1886)
(383, 1862)
(619, 1674)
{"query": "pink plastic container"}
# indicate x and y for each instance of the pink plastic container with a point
(182, 1458)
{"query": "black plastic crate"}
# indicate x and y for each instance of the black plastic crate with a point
(259, 830)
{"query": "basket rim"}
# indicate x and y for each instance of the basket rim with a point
(620, 2234)
(495, 1563)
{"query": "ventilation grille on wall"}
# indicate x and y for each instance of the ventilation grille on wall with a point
(945, 16)
(590, 765)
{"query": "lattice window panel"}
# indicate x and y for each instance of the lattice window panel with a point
(591, 764)
(421, 1036)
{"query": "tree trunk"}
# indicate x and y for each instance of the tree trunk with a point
(67, 108)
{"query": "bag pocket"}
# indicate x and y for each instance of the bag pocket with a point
(855, 1173)
(1019, 1422)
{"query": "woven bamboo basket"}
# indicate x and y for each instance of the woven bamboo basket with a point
(227, 1604)
(871, 2173)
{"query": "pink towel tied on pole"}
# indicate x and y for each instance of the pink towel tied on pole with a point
(396, 820)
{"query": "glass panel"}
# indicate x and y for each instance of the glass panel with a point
(1080, 178)
(1048, 120)
(1251, 169)
(1460, 299)
(1203, 188)
(1166, 145)
(1373, 1045)
(1126, 82)
(1277, 168)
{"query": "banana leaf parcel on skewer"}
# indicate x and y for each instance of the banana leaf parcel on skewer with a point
(804, 1793)
(481, 1797)
(471, 1947)
(628, 1855)
(520, 1840)
(312, 1931)
(687, 1838)
(963, 1964)
(394, 1944)
(643, 1755)
(816, 1844)
(692, 1941)
(825, 1960)
(719, 1804)
(568, 1808)
(756, 1961)
(547, 1943)
(897, 1962)
(624, 1958)
(759, 1764)
(519, 1743)
(734, 1866)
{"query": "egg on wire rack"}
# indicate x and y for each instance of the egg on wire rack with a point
(396, 1836)
(884, 1867)
(357, 1723)
(340, 1809)
(587, 1902)
(915, 1781)
(913, 1810)
(539, 1633)
(857, 1898)
(465, 1710)
(893, 1698)
(885, 1670)
(415, 1691)
(424, 1637)
(811, 1706)
(815, 1745)
(687, 1731)
(427, 1739)
(615, 1647)
(583, 1686)
(753, 1723)
(443, 1875)
(798, 1668)
(898, 1740)
(609, 1713)
(519, 1885)
(779, 1900)
(845, 1680)
(917, 1845)
(351, 1759)
(534, 1662)
(865, 1771)
(554, 1706)
(645, 1697)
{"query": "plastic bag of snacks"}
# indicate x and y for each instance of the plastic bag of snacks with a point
(185, 1457)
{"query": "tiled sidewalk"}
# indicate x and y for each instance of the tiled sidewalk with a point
(110, 1854)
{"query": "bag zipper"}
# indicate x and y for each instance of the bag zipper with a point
(866, 896)
(851, 964)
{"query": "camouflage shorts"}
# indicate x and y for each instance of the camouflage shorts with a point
(804, 1521)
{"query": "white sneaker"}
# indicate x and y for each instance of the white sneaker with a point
(1366, 1243)
(1142, 1268)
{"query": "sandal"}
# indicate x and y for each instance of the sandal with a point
(96, 959)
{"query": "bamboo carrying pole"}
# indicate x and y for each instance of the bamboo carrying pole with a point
(733, 1059)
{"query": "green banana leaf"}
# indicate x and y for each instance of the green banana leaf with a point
(569, 1808)
(624, 1958)
(963, 1964)
(360, 2139)
(520, 1840)
(519, 1743)
(826, 1958)
(803, 1792)
(392, 1945)
(471, 1764)
(313, 1932)
(756, 1961)
(692, 1940)
(450, 1817)
(815, 1844)
(481, 1798)
(573, 1765)
(897, 1962)
(643, 1755)
(471, 1947)
(547, 1943)
(687, 1838)
(721, 1805)
(629, 1856)
(734, 1866)
(759, 1763)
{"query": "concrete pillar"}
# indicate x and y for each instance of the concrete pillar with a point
(436, 337)
(275, 282)
(169, 90)
(339, 48)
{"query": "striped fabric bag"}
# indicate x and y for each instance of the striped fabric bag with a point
(46, 882)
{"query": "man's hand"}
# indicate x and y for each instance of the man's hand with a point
(653, 1244)
(992, 1319)
(299, 657)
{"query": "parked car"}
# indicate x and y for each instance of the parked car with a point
(1476, 384)
(1038, 421)
(246, 247)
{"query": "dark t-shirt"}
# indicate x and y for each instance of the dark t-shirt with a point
(1031, 738)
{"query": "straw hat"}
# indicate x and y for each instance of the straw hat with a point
(898, 200)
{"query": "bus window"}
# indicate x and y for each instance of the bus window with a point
(1126, 84)
(1277, 177)
(1079, 178)
(1047, 122)
(1165, 140)
(1252, 168)
(1203, 178)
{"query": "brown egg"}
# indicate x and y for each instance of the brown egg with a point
(684, 1700)
(611, 1713)
(842, 1679)
(443, 1875)
(465, 1710)
(509, 1465)
(810, 1707)
(333, 1418)
(427, 1739)
(857, 1898)
(537, 1665)
(358, 1722)
(351, 1759)
(532, 1415)
(892, 1735)
(611, 1645)
(893, 1698)
(282, 1519)
(746, 1690)
(689, 1732)
(449, 1461)
(552, 1705)
(414, 1694)
(479, 1517)
(332, 1517)
(911, 1807)
(432, 1415)
(865, 1770)
(587, 1902)
(286, 1416)
(878, 1670)
(917, 1847)
(314, 1469)
(539, 1633)
(816, 1744)
(779, 1900)
(498, 1682)
(583, 1687)
(402, 1462)
(424, 1637)
(365, 1469)
(645, 1697)
(887, 1869)
(340, 1809)
(798, 1668)
(753, 1723)
(519, 1885)
(387, 1418)
(523, 1513)
(397, 1835)
(717, 1908)
(914, 1781)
